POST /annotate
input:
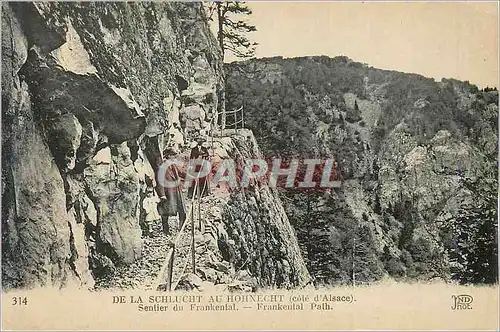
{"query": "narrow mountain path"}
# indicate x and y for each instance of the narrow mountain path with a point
(143, 273)
(140, 272)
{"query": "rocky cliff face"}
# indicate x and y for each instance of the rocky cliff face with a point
(404, 144)
(91, 95)
(261, 238)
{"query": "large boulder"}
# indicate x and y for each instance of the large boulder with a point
(114, 186)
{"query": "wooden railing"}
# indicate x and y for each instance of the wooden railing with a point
(166, 272)
(236, 117)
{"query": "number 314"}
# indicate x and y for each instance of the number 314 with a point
(20, 300)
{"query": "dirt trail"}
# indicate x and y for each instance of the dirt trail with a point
(142, 274)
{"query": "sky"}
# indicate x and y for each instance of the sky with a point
(436, 39)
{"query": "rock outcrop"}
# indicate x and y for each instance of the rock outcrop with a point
(258, 234)
(90, 97)
(92, 94)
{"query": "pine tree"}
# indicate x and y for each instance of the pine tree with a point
(230, 31)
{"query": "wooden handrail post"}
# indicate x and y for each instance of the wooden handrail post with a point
(170, 268)
(193, 253)
(199, 212)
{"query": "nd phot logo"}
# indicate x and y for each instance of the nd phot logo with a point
(462, 302)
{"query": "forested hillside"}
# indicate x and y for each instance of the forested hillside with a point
(417, 159)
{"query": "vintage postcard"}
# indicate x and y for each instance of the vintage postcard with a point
(224, 165)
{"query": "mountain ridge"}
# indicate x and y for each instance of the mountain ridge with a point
(403, 143)
(367, 65)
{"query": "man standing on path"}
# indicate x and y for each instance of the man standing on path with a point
(171, 199)
(199, 150)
